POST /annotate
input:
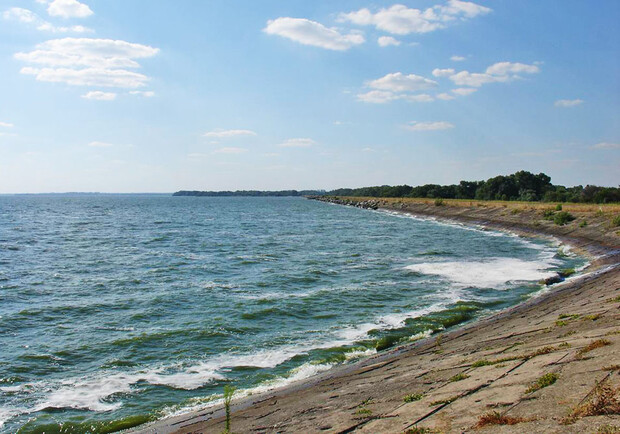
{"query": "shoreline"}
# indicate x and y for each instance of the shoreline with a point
(265, 412)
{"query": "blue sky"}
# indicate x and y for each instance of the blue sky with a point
(137, 96)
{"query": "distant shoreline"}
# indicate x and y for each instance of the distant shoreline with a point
(382, 380)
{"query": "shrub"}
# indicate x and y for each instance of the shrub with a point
(583, 224)
(228, 394)
(605, 401)
(496, 418)
(615, 222)
(439, 202)
(558, 207)
(563, 217)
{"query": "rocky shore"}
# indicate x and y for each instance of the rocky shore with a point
(549, 365)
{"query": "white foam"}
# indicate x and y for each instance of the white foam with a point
(492, 273)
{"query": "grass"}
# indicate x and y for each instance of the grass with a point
(613, 300)
(439, 202)
(596, 209)
(364, 412)
(611, 368)
(545, 381)
(413, 397)
(568, 315)
(608, 429)
(615, 222)
(496, 418)
(444, 401)
(560, 323)
(458, 377)
(420, 430)
(599, 343)
(583, 224)
(228, 394)
(593, 317)
(604, 401)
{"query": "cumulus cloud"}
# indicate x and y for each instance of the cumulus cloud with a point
(100, 96)
(397, 86)
(429, 126)
(443, 72)
(68, 9)
(100, 144)
(402, 20)
(26, 16)
(385, 41)
(309, 32)
(568, 102)
(500, 72)
(230, 150)
(88, 62)
(6, 125)
(144, 93)
(464, 91)
(399, 82)
(457, 58)
(606, 145)
(297, 143)
(225, 134)
(445, 96)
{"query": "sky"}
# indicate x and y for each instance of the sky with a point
(144, 96)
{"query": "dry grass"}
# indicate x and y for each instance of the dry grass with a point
(599, 343)
(467, 203)
(496, 418)
(604, 401)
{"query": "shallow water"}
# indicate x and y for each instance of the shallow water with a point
(116, 309)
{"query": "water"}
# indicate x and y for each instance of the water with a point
(115, 310)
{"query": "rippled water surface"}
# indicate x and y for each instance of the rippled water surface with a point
(116, 310)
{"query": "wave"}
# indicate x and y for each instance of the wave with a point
(494, 273)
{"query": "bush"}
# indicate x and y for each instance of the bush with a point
(563, 217)
(548, 214)
(615, 222)
(558, 207)
(439, 202)
(583, 224)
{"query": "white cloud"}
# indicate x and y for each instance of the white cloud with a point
(443, 72)
(568, 102)
(309, 32)
(6, 125)
(397, 86)
(500, 72)
(197, 155)
(398, 82)
(429, 126)
(88, 62)
(297, 143)
(377, 96)
(144, 93)
(457, 58)
(100, 96)
(606, 145)
(230, 150)
(385, 41)
(68, 9)
(224, 134)
(401, 20)
(505, 68)
(464, 91)
(28, 17)
(445, 96)
(88, 76)
(100, 144)
(417, 98)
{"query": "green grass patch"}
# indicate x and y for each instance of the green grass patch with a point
(413, 397)
(563, 218)
(458, 377)
(544, 381)
(568, 316)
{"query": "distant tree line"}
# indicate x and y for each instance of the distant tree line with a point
(256, 193)
(521, 185)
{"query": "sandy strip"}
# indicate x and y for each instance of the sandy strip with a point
(456, 377)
